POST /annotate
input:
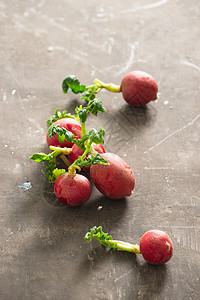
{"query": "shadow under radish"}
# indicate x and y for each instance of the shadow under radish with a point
(123, 271)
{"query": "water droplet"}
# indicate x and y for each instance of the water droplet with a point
(13, 92)
(25, 186)
(166, 102)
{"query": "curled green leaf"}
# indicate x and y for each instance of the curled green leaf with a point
(55, 174)
(97, 136)
(72, 82)
(63, 134)
(99, 235)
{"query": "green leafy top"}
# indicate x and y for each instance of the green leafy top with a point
(107, 240)
(91, 160)
(85, 144)
(94, 106)
(63, 134)
(98, 234)
(51, 159)
(72, 82)
(58, 116)
(55, 174)
(93, 136)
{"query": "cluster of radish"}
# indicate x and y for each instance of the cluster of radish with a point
(83, 150)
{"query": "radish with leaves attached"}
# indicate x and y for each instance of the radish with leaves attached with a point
(69, 124)
(71, 188)
(155, 245)
(138, 88)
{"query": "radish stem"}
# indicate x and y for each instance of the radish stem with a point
(108, 86)
(107, 241)
(127, 246)
(65, 160)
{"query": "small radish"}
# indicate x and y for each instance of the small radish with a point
(155, 245)
(72, 190)
(138, 88)
(115, 180)
(69, 124)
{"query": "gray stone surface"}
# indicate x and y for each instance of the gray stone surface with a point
(43, 252)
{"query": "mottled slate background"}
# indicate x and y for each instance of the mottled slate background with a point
(43, 252)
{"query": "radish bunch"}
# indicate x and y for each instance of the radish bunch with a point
(83, 150)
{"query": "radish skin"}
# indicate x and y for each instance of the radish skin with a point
(156, 247)
(138, 88)
(115, 180)
(72, 190)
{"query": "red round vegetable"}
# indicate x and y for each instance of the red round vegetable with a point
(156, 247)
(115, 180)
(70, 125)
(72, 190)
(138, 88)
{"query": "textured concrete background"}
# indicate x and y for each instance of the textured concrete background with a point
(43, 252)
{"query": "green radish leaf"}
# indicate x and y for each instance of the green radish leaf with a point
(90, 94)
(40, 157)
(102, 237)
(58, 116)
(97, 159)
(63, 134)
(51, 158)
(72, 82)
(83, 114)
(80, 142)
(91, 159)
(95, 106)
(97, 136)
(55, 174)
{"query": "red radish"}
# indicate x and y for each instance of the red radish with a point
(76, 151)
(138, 88)
(70, 125)
(72, 190)
(156, 247)
(115, 180)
